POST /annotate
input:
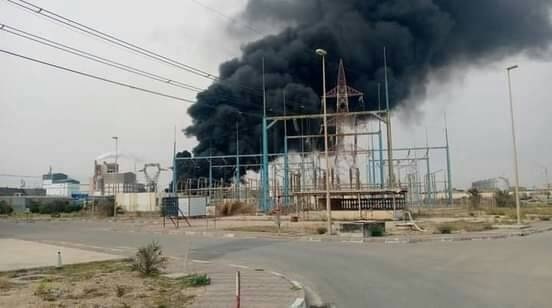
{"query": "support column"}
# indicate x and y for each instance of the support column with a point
(265, 202)
(428, 187)
(449, 171)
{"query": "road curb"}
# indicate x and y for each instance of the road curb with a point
(358, 240)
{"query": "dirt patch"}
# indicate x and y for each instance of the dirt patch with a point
(98, 284)
(457, 226)
(309, 229)
(236, 208)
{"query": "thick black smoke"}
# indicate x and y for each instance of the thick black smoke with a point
(421, 36)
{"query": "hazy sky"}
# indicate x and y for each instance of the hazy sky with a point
(48, 117)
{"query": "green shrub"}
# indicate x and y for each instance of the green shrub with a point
(475, 198)
(445, 228)
(149, 259)
(34, 206)
(545, 218)
(504, 199)
(5, 208)
(321, 230)
(196, 280)
(56, 207)
(72, 207)
(120, 290)
(377, 231)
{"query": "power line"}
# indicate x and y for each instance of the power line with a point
(108, 62)
(96, 77)
(19, 176)
(221, 14)
(92, 57)
(119, 42)
(116, 82)
(110, 38)
(248, 26)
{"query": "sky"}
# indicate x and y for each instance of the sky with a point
(53, 118)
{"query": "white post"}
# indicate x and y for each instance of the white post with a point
(59, 261)
(238, 291)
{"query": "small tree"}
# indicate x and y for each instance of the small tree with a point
(475, 198)
(5, 208)
(34, 206)
(503, 199)
(149, 259)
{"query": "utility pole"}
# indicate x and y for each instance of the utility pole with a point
(516, 172)
(174, 164)
(323, 53)
(116, 138)
(449, 169)
(546, 179)
(210, 172)
(265, 149)
(286, 159)
(388, 119)
(116, 148)
(380, 140)
(238, 161)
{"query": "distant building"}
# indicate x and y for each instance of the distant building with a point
(9, 191)
(107, 180)
(59, 184)
(492, 185)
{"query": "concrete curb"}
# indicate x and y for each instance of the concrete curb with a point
(359, 240)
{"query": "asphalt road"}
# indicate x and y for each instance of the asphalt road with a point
(514, 272)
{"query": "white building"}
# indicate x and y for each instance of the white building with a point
(60, 185)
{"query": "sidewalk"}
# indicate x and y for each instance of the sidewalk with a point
(259, 287)
(19, 254)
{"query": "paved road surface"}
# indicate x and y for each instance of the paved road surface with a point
(514, 272)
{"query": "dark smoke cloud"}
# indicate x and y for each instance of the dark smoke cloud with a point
(421, 36)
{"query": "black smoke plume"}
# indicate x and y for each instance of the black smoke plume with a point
(421, 36)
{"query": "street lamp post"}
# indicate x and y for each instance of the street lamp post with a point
(516, 172)
(116, 148)
(116, 159)
(323, 53)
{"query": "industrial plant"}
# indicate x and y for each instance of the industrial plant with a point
(349, 169)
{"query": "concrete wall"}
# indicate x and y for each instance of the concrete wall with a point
(351, 215)
(17, 203)
(137, 202)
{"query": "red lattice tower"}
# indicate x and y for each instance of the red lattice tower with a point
(342, 92)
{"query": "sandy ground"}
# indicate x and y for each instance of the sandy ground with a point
(105, 284)
(18, 254)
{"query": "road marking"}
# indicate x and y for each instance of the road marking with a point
(84, 246)
(238, 266)
(296, 284)
(126, 247)
(201, 261)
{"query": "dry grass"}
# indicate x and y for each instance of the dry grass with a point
(5, 284)
(236, 208)
(149, 259)
(98, 284)
(260, 228)
(503, 215)
(462, 225)
(296, 230)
